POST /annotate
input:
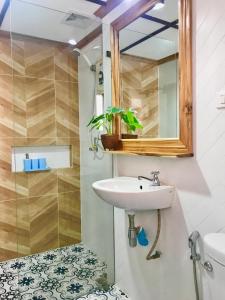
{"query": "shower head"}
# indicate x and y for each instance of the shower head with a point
(77, 50)
(83, 55)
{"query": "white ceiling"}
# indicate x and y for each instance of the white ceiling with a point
(81, 6)
(44, 18)
(159, 46)
(168, 13)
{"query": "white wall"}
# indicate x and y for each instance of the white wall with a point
(200, 181)
(96, 215)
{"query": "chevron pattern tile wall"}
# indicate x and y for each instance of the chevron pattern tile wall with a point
(139, 88)
(38, 106)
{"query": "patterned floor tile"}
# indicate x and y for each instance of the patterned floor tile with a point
(114, 293)
(65, 273)
(72, 272)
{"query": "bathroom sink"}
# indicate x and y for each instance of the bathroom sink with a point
(130, 193)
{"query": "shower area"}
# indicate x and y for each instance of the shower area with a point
(56, 236)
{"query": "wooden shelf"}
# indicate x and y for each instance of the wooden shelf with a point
(120, 152)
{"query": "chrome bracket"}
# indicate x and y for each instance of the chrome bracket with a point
(208, 266)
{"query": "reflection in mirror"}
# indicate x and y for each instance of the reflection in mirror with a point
(149, 71)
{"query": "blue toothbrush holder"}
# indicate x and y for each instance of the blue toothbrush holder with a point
(35, 164)
(27, 164)
(42, 163)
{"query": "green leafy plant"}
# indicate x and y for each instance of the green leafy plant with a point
(131, 121)
(105, 120)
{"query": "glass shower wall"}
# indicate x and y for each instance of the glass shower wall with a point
(46, 121)
(62, 237)
(8, 236)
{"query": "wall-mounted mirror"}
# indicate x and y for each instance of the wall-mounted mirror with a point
(152, 75)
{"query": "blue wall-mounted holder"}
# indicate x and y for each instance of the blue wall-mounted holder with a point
(50, 157)
(35, 165)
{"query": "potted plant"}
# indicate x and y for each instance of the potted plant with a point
(132, 124)
(104, 121)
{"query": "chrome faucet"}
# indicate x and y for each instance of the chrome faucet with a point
(155, 179)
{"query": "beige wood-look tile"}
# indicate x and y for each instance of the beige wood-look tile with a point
(18, 59)
(8, 230)
(131, 80)
(12, 107)
(75, 153)
(66, 64)
(6, 106)
(139, 81)
(40, 100)
(23, 227)
(69, 180)
(147, 109)
(42, 183)
(39, 59)
(67, 109)
(5, 153)
(136, 73)
(21, 185)
(149, 80)
(5, 55)
(39, 141)
(7, 185)
(43, 223)
(69, 218)
(19, 107)
(73, 171)
(7, 178)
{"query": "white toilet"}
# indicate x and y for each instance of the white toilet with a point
(214, 245)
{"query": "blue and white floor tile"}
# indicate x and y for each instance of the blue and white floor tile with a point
(64, 273)
(114, 293)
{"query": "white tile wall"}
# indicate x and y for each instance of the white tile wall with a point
(96, 215)
(200, 181)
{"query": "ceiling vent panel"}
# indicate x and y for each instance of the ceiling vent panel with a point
(77, 20)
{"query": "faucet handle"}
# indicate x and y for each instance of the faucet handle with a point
(155, 173)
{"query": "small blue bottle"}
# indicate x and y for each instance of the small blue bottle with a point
(42, 163)
(27, 163)
(34, 164)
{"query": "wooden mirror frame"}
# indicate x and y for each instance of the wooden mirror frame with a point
(181, 146)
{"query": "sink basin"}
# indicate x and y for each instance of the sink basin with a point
(130, 193)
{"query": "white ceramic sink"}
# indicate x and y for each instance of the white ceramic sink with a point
(130, 193)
